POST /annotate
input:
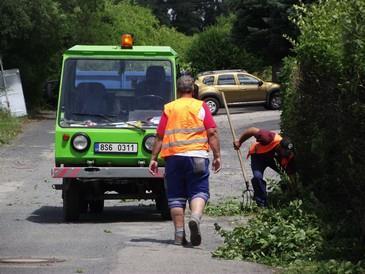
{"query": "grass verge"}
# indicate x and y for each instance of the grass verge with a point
(230, 207)
(9, 127)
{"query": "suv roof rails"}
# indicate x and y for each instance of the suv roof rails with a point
(220, 71)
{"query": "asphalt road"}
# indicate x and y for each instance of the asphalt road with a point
(127, 237)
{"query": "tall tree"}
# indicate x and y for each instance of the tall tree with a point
(260, 27)
(188, 17)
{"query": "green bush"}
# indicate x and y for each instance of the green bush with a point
(275, 237)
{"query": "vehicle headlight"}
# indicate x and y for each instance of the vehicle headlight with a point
(80, 142)
(148, 142)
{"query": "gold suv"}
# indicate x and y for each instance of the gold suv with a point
(238, 86)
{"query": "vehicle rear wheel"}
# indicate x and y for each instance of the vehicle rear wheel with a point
(71, 200)
(162, 206)
(96, 206)
(212, 104)
(275, 100)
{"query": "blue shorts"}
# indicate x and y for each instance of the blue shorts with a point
(186, 179)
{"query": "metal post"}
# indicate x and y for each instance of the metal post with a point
(4, 82)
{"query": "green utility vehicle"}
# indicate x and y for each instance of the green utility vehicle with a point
(110, 102)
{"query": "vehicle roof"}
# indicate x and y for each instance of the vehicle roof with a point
(220, 71)
(87, 50)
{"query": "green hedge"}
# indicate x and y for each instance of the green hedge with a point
(324, 107)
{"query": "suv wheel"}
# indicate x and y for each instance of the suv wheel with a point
(275, 100)
(213, 104)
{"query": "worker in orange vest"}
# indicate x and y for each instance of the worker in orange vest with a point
(184, 135)
(269, 150)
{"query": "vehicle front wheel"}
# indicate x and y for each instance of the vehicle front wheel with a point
(71, 200)
(274, 100)
(212, 104)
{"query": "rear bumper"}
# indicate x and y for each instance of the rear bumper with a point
(105, 172)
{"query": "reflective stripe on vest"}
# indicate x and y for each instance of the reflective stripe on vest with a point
(257, 148)
(184, 130)
(187, 142)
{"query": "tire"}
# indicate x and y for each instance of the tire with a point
(84, 206)
(163, 207)
(96, 206)
(213, 104)
(71, 201)
(83, 203)
(274, 100)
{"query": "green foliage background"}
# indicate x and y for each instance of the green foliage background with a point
(214, 49)
(34, 42)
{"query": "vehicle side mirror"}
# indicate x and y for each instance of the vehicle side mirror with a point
(260, 83)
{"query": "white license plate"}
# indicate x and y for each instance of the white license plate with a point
(115, 148)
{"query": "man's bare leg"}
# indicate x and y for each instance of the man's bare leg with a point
(197, 207)
(177, 215)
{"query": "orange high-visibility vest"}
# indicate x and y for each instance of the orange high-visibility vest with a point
(184, 130)
(257, 148)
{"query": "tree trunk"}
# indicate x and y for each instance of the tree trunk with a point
(275, 70)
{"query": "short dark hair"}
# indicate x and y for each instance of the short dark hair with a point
(185, 84)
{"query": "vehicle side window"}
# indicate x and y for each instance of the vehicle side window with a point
(247, 80)
(226, 79)
(209, 80)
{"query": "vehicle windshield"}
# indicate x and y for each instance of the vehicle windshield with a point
(115, 93)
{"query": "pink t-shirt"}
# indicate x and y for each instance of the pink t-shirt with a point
(205, 112)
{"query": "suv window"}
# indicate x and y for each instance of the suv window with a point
(247, 80)
(226, 79)
(209, 80)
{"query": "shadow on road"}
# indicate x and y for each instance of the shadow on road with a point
(151, 240)
(159, 241)
(54, 215)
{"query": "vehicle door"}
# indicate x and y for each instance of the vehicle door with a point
(228, 84)
(251, 88)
